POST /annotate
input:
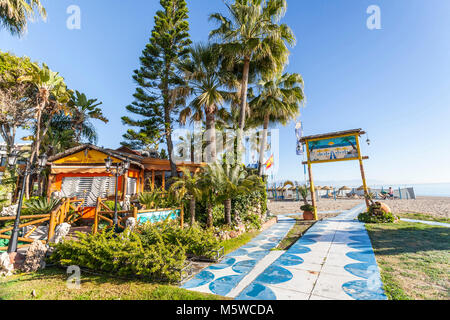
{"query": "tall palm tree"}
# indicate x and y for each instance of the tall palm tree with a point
(187, 186)
(15, 13)
(253, 33)
(207, 80)
(231, 181)
(84, 109)
(51, 97)
(279, 101)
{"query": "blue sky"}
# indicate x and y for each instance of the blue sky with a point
(394, 82)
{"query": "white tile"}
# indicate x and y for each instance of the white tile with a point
(330, 286)
(303, 281)
(288, 295)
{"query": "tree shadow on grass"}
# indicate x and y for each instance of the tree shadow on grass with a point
(408, 239)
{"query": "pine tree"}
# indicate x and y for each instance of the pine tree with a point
(161, 88)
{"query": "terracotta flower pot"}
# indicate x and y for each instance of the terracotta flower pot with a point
(308, 215)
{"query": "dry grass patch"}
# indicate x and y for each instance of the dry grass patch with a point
(50, 284)
(414, 260)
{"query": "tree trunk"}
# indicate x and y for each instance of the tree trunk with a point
(209, 221)
(192, 209)
(211, 148)
(227, 205)
(242, 117)
(262, 149)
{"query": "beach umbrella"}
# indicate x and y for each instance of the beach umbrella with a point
(345, 188)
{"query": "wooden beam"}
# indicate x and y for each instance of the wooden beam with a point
(363, 158)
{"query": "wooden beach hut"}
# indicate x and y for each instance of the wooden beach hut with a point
(80, 172)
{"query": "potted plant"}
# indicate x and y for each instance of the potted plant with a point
(308, 210)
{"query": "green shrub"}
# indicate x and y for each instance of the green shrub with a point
(111, 203)
(253, 221)
(218, 215)
(376, 215)
(196, 242)
(40, 205)
(124, 255)
(158, 199)
(307, 208)
(243, 204)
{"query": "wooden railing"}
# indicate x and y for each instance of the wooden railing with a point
(104, 213)
(59, 215)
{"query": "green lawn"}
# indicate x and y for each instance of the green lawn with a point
(50, 284)
(414, 260)
(236, 243)
(296, 232)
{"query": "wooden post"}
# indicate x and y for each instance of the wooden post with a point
(97, 208)
(135, 213)
(363, 175)
(153, 180)
(311, 184)
(182, 217)
(51, 226)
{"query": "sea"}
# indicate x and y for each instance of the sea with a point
(423, 190)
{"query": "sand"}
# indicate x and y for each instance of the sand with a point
(435, 206)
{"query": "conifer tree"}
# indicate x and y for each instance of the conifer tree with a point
(161, 88)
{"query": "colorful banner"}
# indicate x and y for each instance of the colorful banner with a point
(269, 163)
(332, 149)
(299, 135)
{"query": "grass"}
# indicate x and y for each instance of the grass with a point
(423, 216)
(414, 260)
(50, 284)
(233, 244)
(296, 232)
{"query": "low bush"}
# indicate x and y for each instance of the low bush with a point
(376, 215)
(307, 208)
(158, 199)
(124, 255)
(196, 242)
(40, 205)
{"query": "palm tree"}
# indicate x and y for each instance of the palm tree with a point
(231, 181)
(51, 97)
(279, 100)
(207, 79)
(253, 33)
(84, 109)
(187, 186)
(15, 13)
(209, 193)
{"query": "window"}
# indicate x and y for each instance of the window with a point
(88, 188)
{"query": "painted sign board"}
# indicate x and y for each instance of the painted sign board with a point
(333, 149)
(158, 216)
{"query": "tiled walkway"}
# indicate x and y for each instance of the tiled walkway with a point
(223, 277)
(333, 260)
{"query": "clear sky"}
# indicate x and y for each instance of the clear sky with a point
(394, 82)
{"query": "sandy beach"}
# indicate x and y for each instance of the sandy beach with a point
(435, 206)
